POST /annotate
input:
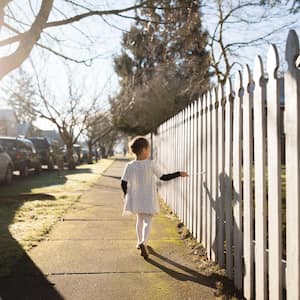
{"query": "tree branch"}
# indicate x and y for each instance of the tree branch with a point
(11, 62)
(93, 13)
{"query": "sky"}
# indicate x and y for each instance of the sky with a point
(105, 41)
(99, 78)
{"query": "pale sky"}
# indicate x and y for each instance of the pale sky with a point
(106, 43)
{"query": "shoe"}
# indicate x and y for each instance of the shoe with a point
(143, 251)
(138, 246)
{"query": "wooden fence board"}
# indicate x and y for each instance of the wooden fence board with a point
(248, 186)
(274, 176)
(191, 169)
(292, 106)
(214, 184)
(260, 182)
(221, 167)
(194, 178)
(204, 170)
(237, 182)
(208, 176)
(199, 137)
(227, 179)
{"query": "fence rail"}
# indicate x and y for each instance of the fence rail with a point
(241, 145)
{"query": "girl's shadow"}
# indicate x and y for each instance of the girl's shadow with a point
(184, 273)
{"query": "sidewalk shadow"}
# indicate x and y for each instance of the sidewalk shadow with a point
(20, 277)
(111, 176)
(25, 281)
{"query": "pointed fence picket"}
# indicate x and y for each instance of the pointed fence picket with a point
(292, 113)
(237, 182)
(248, 184)
(199, 172)
(274, 176)
(214, 172)
(241, 159)
(204, 170)
(221, 165)
(227, 178)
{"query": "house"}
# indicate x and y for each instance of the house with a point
(8, 123)
(52, 136)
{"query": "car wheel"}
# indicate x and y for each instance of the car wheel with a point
(38, 169)
(50, 165)
(9, 175)
(24, 171)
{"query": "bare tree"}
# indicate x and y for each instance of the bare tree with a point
(69, 117)
(101, 132)
(21, 96)
(257, 15)
(22, 35)
(98, 128)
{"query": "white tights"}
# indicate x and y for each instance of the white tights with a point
(143, 227)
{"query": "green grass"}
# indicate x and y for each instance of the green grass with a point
(31, 206)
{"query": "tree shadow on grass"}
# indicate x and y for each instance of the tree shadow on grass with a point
(20, 277)
(33, 181)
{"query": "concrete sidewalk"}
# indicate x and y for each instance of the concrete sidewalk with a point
(91, 254)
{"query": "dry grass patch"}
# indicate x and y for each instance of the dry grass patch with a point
(31, 206)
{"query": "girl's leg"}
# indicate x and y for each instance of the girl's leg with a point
(139, 228)
(147, 228)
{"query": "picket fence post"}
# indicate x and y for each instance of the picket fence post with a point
(292, 113)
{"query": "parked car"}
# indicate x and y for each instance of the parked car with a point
(23, 154)
(6, 167)
(77, 149)
(85, 155)
(74, 155)
(45, 151)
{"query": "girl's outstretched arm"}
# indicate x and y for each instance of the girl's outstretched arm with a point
(170, 176)
(124, 186)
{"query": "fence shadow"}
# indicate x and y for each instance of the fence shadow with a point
(226, 190)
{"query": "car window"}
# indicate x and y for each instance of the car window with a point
(39, 143)
(22, 146)
(33, 148)
(29, 146)
(7, 144)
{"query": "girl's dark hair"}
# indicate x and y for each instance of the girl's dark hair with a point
(138, 144)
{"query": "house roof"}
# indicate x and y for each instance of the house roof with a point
(8, 115)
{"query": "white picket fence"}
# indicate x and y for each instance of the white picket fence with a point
(234, 201)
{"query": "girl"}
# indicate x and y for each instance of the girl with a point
(138, 185)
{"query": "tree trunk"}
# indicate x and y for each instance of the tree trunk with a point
(90, 154)
(110, 150)
(70, 158)
(103, 152)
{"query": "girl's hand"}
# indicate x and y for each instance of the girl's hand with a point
(184, 174)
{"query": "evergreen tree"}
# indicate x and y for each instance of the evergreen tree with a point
(164, 65)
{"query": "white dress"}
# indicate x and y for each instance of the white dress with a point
(141, 196)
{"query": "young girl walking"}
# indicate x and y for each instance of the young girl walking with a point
(138, 185)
